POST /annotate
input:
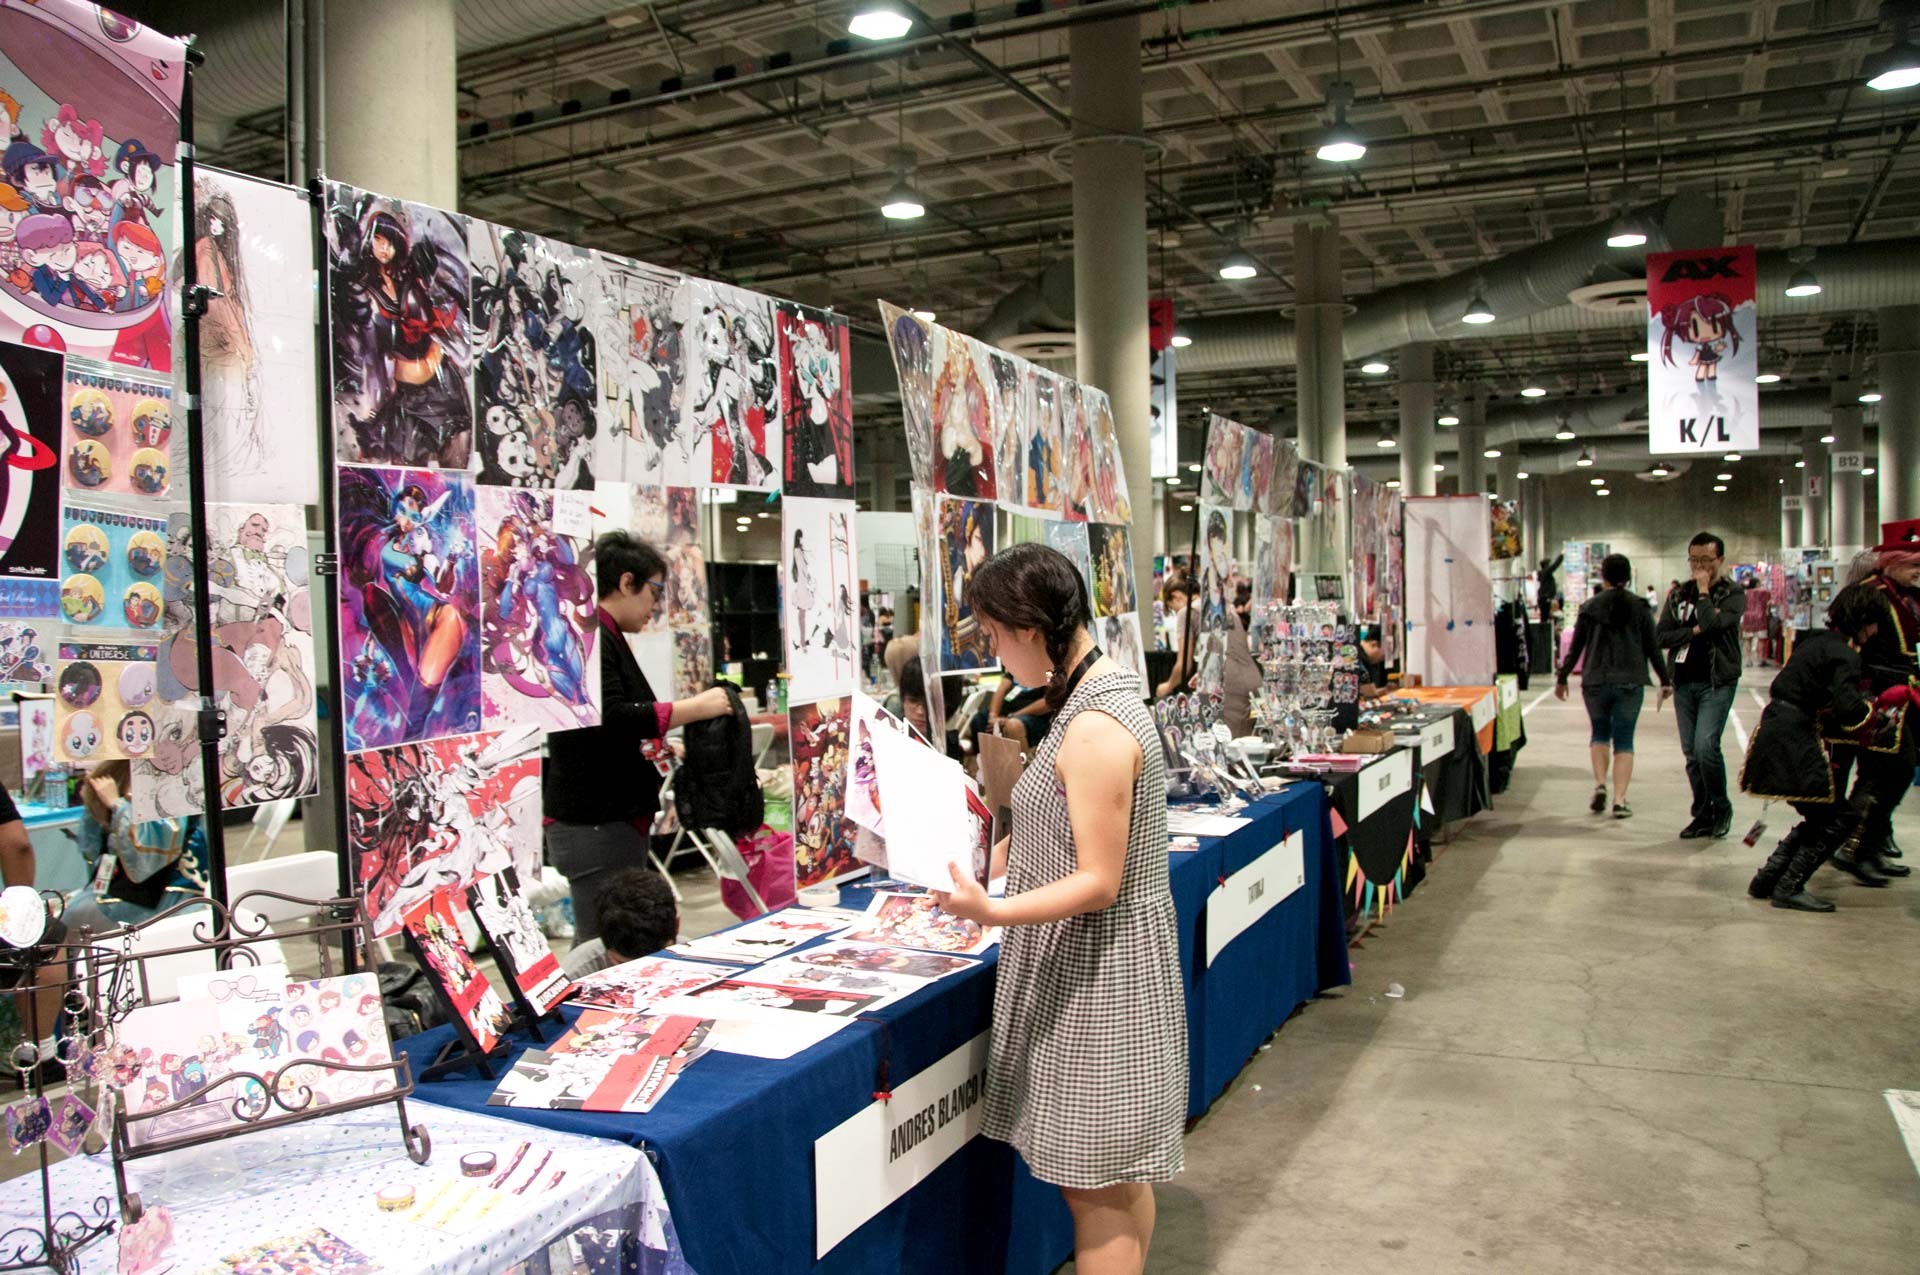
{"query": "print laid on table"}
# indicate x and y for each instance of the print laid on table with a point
(518, 944)
(878, 958)
(638, 315)
(915, 920)
(430, 923)
(820, 586)
(103, 700)
(730, 422)
(637, 984)
(30, 413)
(112, 564)
(822, 833)
(539, 626)
(910, 341)
(608, 1061)
(816, 402)
(765, 937)
(310, 1252)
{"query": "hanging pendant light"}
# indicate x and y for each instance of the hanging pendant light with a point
(1896, 67)
(1585, 460)
(1239, 264)
(878, 20)
(1478, 311)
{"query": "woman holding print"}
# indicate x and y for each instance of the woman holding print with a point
(1087, 1074)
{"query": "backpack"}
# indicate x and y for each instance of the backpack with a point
(716, 787)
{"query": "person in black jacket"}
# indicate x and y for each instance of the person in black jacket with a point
(1700, 625)
(1548, 592)
(1817, 696)
(1615, 632)
(602, 784)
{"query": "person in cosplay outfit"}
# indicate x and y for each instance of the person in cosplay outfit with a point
(1817, 696)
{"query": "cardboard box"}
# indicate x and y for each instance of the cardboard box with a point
(1368, 741)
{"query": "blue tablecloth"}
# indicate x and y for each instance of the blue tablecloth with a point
(733, 1141)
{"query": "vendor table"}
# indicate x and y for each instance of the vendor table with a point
(733, 1141)
(1451, 764)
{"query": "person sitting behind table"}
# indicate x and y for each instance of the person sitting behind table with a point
(1019, 713)
(1373, 665)
(638, 916)
(155, 863)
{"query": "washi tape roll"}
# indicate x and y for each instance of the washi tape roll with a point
(394, 1199)
(478, 1164)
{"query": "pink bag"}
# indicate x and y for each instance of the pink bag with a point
(769, 857)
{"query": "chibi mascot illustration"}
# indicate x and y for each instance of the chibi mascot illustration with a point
(1706, 323)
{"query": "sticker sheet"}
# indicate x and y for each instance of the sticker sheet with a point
(439, 815)
(315, 1251)
(430, 923)
(1111, 502)
(730, 423)
(816, 401)
(910, 340)
(252, 245)
(608, 1062)
(638, 315)
(637, 984)
(820, 590)
(962, 417)
(966, 541)
(822, 833)
(1110, 548)
(519, 945)
(103, 697)
(539, 618)
(397, 287)
(112, 566)
(409, 603)
(31, 409)
(1041, 440)
(915, 920)
(94, 100)
(536, 389)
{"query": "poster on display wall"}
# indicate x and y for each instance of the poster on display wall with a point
(119, 437)
(1041, 441)
(816, 396)
(966, 540)
(730, 431)
(963, 417)
(820, 589)
(1703, 351)
(91, 124)
(910, 340)
(1111, 502)
(30, 413)
(822, 833)
(539, 616)
(638, 315)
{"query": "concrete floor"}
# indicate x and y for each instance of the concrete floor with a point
(1608, 1059)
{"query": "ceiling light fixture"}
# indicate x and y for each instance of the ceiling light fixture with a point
(1767, 378)
(1638, 356)
(1627, 231)
(1602, 491)
(1180, 340)
(1386, 438)
(879, 20)
(1374, 367)
(1897, 66)
(1523, 475)
(1491, 453)
(1478, 311)
(1799, 464)
(1193, 467)
(1439, 468)
(1186, 509)
(1449, 419)
(1533, 391)
(1596, 482)
(1563, 429)
(1239, 265)
(1339, 142)
(1723, 478)
(1659, 470)
(1870, 395)
(1731, 457)
(1826, 438)
(1585, 460)
(1719, 486)
(1804, 283)
(1393, 482)
(1868, 472)
(902, 203)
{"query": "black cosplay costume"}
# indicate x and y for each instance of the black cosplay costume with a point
(1816, 697)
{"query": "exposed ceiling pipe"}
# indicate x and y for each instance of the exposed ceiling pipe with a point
(1627, 414)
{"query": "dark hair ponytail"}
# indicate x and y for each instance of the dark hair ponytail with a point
(1030, 586)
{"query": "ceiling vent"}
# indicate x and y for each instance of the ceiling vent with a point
(1612, 296)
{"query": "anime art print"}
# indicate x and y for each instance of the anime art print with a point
(609, 1061)
(1111, 501)
(1224, 462)
(876, 958)
(438, 816)
(638, 313)
(639, 983)
(822, 833)
(1111, 552)
(1004, 393)
(746, 992)
(692, 662)
(539, 624)
(915, 920)
(1040, 440)
(397, 286)
(252, 245)
(89, 117)
(513, 932)
(910, 340)
(1272, 559)
(1260, 471)
(1216, 597)
(863, 780)
(31, 399)
(435, 934)
(966, 541)
(334, 1020)
(25, 655)
(1074, 540)
(1286, 477)
(1078, 475)
(820, 589)
(113, 564)
(730, 422)
(766, 937)
(311, 1252)
(1119, 636)
(963, 403)
(816, 401)
(119, 437)
(1307, 483)
(103, 701)
(686, 587)
(409, 606)
(536, 360)
(1703, 351)
(169, 782)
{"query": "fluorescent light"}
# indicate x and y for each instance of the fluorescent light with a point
(902, 203)
(1374, 367)
(878, 20)
(1870, 396)
(1596, 482)
(1602, 491)
(1193, 467)
(1719, 486)
(1478, 311)
(1492, 453)
(1868, 472)
(1439, 468)
(1799, 464)
(1638, 356)
(1627, 232)
(1393, 482)
(1897, 68)
(1180, 341)
(1723, 478)
(1533, 391)
(1767, 378)
(1803, 284)
(925, 316)
(1186, 509)
(1826, 438)
(1523, 475)
(1239, 265)
(1449, 419)
(1586, 459)
(1731, 457)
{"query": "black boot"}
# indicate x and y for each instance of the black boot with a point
(1790, 891)
(1873, 853)
(1861, 869)
(1763, 881)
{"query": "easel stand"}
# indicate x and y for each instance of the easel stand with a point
(463, 1051)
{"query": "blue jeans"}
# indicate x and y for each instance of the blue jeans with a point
(1612, 711)
(1702, 710)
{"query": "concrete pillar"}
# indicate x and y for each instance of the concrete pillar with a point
(390, 97)
(1416, 419)
(1110, 249)
(1789, 525)
(1899, 381)
(1813, 478)
(1322, 362)
(1506, 481)
(1471, 438)
(1847, 510)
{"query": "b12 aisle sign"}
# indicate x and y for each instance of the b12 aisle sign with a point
(1703, 352)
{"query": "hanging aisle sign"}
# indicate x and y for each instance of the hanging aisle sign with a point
(1703, 351)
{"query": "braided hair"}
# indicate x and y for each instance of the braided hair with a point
(1030, 586)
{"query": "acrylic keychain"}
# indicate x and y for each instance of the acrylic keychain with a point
(72, 1119)
(29, 1119)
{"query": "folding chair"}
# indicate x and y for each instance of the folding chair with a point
(762, 741)
(662, 862)
(725, 859)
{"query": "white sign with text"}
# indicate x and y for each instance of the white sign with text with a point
(1253, 891)
(1436, 740)
(1384, 780)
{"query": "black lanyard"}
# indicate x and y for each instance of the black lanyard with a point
(1080, 671)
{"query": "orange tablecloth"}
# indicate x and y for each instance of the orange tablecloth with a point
(1481, 703)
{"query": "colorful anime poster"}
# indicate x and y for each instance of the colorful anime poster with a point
(1260, 472)
(1008, 403)
(429, 923)
(440, 815)
(397, 287)
(314, 1251)
(25, 654)
(638, 314)
(875, 958)
(1306, 488)
(863, 779)
(409, 604)
(692, 662)
(1286, 477)
(1216, 597)
(119, 433)
(1272, 559)
(966, 541)
(746, 992)
(1040, 440)
(1074, 540)
(1111, 552)
(252, 246)
(962, 417)
(816, 401)
(170, 781)
(608, 1061)
(336, 1020)
(519, 946)
(1111, 502)
(91, 124)
(1224, 462)
(31, 403)
(113, 568)
(910, 341)
(820, 587)
(637, 984)
(1703, 351)
(916, 921)
(539, 619)
(730, 423)
(103, 700)
(1077, 480)
(536, 388)
(822, 833)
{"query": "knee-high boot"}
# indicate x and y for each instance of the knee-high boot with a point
(1790, 891)
(1763, 881)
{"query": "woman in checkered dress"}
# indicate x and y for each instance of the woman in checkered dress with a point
(1087, 1076)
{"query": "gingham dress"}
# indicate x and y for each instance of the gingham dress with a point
(1087, 1075)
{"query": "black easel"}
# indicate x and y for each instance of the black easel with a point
(463, 1051)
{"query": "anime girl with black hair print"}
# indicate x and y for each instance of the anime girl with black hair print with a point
(1705, 322)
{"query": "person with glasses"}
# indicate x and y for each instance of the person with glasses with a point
(602, 784)
(1700, 629)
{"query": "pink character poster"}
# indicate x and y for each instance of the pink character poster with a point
(539, 661)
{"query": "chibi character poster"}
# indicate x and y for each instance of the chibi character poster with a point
(426, 817)
(963, 423)
(252, 248)
(335, 1020)
(816, 401)
(1111, 501)
(90, 122)
(730, 421)
(1111, 551)
(513, 932)
(31, 402)
(113, 564)
(397, 287)
(409, 606)
(430, 924)
(820, 590)
(315, 1251)
(119, 436)
(103, 701)
(1073, 539)
(910, 340)
(539, 625)
(966, 541)
(1040, 440)
(638, 313)
(536, 360)
(822, 833)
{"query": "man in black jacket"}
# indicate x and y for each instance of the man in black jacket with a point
(1700, 626)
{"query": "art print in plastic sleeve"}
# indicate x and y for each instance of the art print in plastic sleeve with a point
(820, 589)
(1119, 636)
(962, 417)
(431, 925)
(1216, 597)
(1003, 393)
(863, 780)
(539, 620)
(730, 421)
(1041, 444)
(310, 1252)
(966, 540)
(1074, 540)
(822, 833)
(1077, 457)
(915, 920)
(103, 701)
(878, 958)
(1225, 461)
(816, 401)
(638, 313)
(607, 1062)
(910, 340)
(518, 944)
(1111, 502)
(1110, 550)
(637, 984)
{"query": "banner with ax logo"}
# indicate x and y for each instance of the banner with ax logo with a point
(1703, 352)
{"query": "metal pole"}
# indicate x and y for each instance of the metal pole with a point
(295, 23)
